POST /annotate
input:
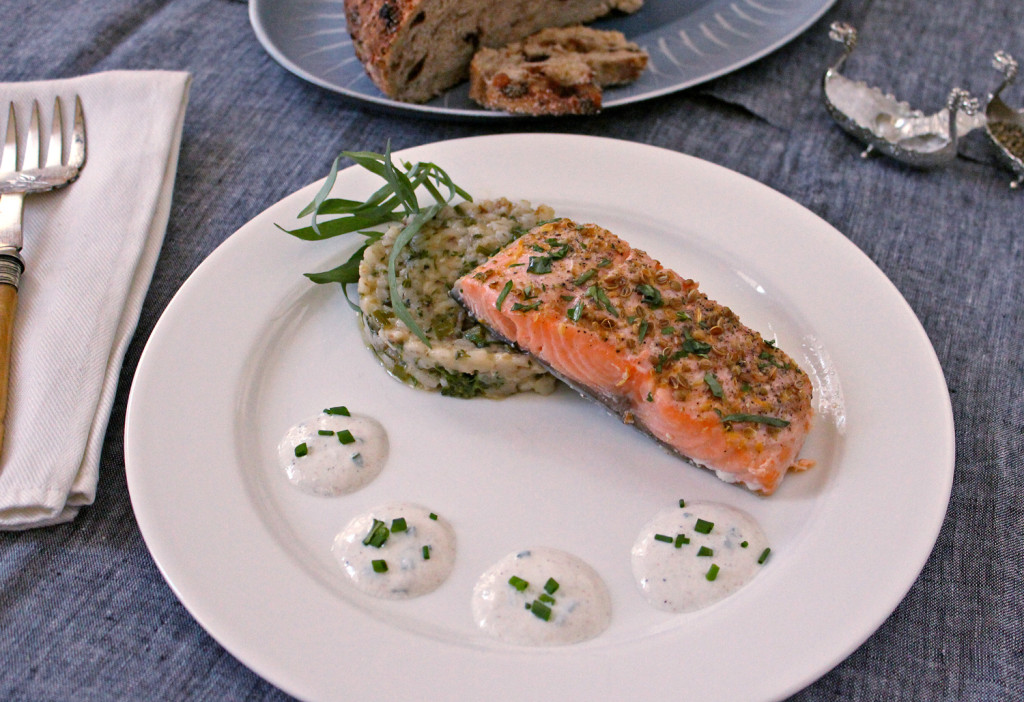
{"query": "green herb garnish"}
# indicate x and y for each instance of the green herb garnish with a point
(377, 535)
(703, 527)
(518, 583)
(539, 264)
(764, 556)
(426, 553)
(345, 437)
(681, 540)
(503, 294)
(551, 586)
(662, 537)
(540, 610)
(379, 566)
(398, 524)
(643, 331)
(713, 385)
(341, 410)
(325, 432)
(574, 312)
(756, 418)
(650, 295)
(712, 572)
(301, 450)
(705, 551)
(395, 201)
(585, 276)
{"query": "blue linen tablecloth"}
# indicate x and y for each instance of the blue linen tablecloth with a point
(84, 612)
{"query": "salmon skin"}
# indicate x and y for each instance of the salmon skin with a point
(617, 326)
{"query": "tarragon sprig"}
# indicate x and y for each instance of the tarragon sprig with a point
(395, 201)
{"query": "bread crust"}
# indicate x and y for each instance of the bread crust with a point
(414, 50)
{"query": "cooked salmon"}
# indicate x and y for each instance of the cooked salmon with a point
(619, 327)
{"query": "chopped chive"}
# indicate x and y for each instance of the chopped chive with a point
(712, 382)
(585, 276)
(503, 294)
(518, 583)
(379, 566)
(743, 544)
(681, 540)
(662, 537)
(325, 432)
(345, 437)
(378, 534)
(682, 503)
(541, 610)
(757, 419)
(604, 263)
(301, 449)
(764, 556)
(398, 524)
(546, 598)
(340, 410)
(705, 551)
(551, 586)
(703, 527)
(433, 516)
(668, 331)
(643, 331)
(426, 553)
(712, 572)
(520, 307)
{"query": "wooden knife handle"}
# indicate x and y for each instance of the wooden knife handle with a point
(11, 267)
(8, 306)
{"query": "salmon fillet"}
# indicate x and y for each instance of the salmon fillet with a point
(617, 326)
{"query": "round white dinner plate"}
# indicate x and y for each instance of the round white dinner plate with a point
(689, 42)
(249, 346)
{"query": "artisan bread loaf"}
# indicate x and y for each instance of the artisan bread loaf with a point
(556, 71)
(416, 49)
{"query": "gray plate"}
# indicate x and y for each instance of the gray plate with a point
(689, 41)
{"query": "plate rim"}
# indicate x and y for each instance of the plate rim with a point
(285, 678)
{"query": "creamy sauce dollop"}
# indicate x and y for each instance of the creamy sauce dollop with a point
(396, 551)
(555, 599)
(333, 454)
(680, 569)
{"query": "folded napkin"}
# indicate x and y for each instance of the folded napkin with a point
(89, 252)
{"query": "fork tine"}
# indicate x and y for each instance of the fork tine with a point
(9, 160)
(55, 149)
(32, 144)
(77, 157)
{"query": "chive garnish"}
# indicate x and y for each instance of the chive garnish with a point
(764, 556)
(345, 437)
(663, 537)
(339, 410)
(712, 572)
(756, 418)
(546, 598)
(433, 516)
(503, 294)
(604, 263)
(703, 527)
(681, 540)
(426, 553)
(378, 534)
(743, 544)
(540, 610)
(518, 583)
(705, 551)
(398, 524)
(682, 503)
(601, 296)
(301, 450)
(643, 331)
(379, 566)
(712, 382)
(520, 307)
(551, 586)
(325, 432)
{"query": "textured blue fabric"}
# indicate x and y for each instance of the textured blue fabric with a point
(84, 613)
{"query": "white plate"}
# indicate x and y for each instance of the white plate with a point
(689, 42)
(248, 346)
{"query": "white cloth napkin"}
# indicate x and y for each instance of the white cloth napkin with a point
(89, 252)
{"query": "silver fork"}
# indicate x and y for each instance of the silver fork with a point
(18, 178)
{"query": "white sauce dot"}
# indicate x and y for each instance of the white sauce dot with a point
(676, 579)
(410, 572)
(581, 609)
(329, 466)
